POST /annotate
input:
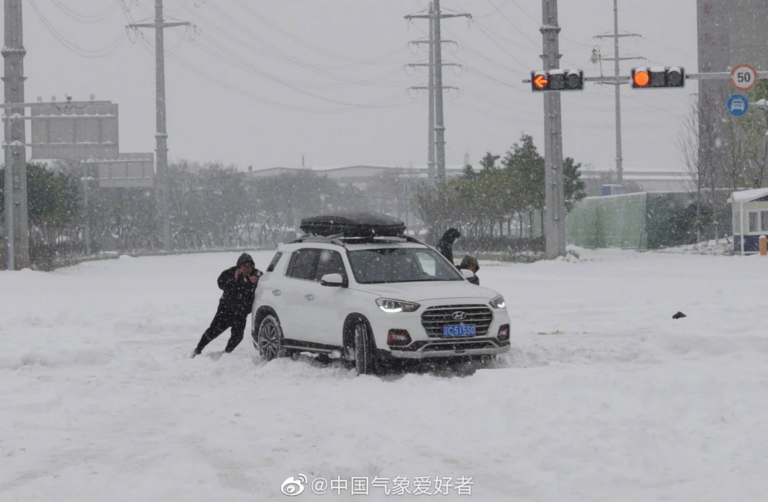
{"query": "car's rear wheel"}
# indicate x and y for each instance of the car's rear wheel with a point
(270, 339)
(365, 352)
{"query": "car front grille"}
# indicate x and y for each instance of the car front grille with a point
(434, 318)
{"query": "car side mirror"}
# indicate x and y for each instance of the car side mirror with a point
(468, 274)
(332, 280)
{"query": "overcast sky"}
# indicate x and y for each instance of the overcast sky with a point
(261, 82)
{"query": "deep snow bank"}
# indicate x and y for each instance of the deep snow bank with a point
(604, 396)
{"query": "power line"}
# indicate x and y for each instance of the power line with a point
(484, 28)
(497, 9)
(248, 32)
(276, 54)
(464, 45)
(514, 2)
(287, 34)
(243, 64)
(251, 96)
(513, 25)
(224, 85)
(80, 51)
(348, 82)
(182, 7)
(84, 18)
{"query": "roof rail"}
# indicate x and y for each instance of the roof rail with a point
(341, 240)
(318, 238)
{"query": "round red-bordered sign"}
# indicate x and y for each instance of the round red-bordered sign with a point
(744, 77)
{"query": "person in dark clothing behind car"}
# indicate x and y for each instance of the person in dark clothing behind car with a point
(470, 263)
(445, 246)
(239, 286)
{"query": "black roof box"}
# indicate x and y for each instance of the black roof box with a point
(353, 225)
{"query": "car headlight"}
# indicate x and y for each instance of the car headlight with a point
(395, 306)
(498, 303)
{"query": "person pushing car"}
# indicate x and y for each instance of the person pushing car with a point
(238, 284)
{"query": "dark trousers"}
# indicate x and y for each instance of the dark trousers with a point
(223, 320)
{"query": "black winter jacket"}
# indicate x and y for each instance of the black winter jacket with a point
(238, 293)
(445, 246)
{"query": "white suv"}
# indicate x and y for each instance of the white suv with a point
(372, 300)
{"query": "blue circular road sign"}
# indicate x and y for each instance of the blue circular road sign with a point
(738, 105)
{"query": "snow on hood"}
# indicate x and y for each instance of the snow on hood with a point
(421, 291)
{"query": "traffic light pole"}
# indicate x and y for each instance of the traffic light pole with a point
(16, 205)
(554, 190)
(552, 81)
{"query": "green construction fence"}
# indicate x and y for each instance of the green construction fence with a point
(645, 220)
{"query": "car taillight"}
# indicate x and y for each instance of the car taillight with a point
(398, 337)
(504, 332)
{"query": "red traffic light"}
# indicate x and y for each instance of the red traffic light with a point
(641, 78)
(658, 77)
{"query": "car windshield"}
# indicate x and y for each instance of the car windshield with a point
(378, 266)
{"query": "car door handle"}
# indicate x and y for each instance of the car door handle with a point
(276, 292)
(309, 297)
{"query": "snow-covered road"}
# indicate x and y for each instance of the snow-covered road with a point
(603, 398)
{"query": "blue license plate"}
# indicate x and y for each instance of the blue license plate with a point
(457, 330)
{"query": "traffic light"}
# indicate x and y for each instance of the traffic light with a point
(657, 77)
(557, 80)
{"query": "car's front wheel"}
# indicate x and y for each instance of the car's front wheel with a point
(270, 339)
(365, 353)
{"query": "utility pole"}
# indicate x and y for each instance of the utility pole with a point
(438, 69)
(554, 190)
(161, 136)
(431, 154)
(436, 134)
(616, 59)
(16, 215)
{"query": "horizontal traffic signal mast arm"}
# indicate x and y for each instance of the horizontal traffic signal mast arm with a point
(689, 76)
(725, 75)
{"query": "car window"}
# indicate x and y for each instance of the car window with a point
(304, 264)
(377, 266)
(428, 263)
(274, 261)
(330, 262)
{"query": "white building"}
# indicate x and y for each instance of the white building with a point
(750, 219)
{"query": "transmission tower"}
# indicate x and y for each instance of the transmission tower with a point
(436, 138)
(161, 136)
(596, 56)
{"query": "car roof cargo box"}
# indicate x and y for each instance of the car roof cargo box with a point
(353, 225)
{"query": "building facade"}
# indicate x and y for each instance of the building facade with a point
(730, 32)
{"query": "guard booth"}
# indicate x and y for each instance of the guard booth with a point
(750, 219)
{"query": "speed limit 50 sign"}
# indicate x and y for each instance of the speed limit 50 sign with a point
(744, 77)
